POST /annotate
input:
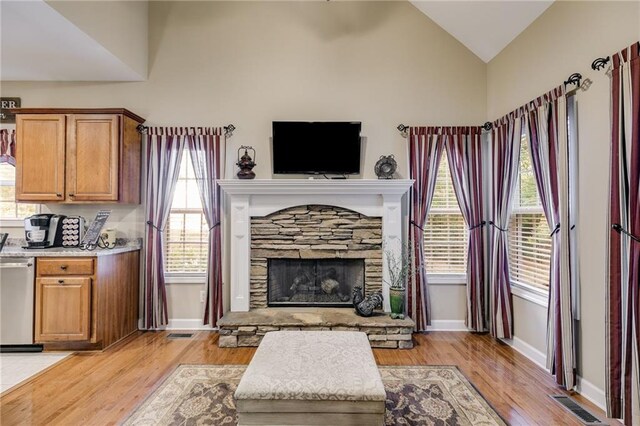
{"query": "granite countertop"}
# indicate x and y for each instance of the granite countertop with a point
(13, 248)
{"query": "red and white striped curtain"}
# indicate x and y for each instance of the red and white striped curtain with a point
(164, 154)
(207, 152)
(548, 140)
(505, 160)
(623, 295)
(425, 151)
(465, 155)
(8, 146)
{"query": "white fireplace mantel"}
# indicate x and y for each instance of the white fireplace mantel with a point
(261, 197)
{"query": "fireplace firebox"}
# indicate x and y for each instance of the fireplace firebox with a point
(313, 282)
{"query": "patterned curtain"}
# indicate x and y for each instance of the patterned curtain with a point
(623, 295)
(164, 154)
(505, 158)
(548, 140)
(464, 152)
(425, 152)
(207, 151)
(8, 146)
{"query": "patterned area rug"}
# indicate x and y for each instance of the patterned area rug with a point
(425, 395)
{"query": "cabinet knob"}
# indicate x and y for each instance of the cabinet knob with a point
(72, 195)
(58, 195)
(63, 267)
(60, 281)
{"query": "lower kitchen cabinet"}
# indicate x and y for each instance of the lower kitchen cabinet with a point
(86, 302)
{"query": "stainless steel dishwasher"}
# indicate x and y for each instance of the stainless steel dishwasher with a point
(16, 305)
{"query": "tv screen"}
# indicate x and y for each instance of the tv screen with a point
(316, 147)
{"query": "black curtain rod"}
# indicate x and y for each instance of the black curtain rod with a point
(228, 130)
(404, 130)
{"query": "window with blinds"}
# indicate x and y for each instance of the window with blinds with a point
(529, 240)
(9, 209)
(445, 236)
(186, 233)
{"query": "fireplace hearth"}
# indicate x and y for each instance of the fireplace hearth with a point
(313, 282)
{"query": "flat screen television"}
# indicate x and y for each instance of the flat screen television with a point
(316, 147)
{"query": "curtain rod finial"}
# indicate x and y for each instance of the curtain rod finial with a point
(600, 63)
(574, 78)
(404, 130)
(142, 129)
(228, 130)
(487, 126)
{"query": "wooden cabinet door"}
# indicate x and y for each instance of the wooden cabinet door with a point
(40, 157)
(63, 309)
(93, 157)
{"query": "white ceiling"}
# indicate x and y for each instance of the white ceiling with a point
(39, 44)
(484, 27)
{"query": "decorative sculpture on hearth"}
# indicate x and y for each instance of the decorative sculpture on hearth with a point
(366, 305)
(246, 163)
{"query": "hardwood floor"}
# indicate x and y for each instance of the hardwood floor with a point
(100, 388)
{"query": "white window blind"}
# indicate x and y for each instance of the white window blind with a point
(9, 209)
(529, 240)
(186, 233)
(445, 234)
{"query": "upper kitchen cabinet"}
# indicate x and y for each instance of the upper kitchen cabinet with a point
(78, 155)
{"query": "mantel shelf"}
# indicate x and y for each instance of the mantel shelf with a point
(315, 186)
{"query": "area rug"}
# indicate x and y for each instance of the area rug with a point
(420, 395)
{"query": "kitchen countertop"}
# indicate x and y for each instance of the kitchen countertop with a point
(13, 249)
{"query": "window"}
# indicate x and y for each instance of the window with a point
(186, 233)
(9, 209)
(445, 235)
(529, 240)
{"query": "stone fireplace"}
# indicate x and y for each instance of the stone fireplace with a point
(313, 255)
(309, 219)
(306, 242)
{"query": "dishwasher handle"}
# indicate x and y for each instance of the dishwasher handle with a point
(7, 265)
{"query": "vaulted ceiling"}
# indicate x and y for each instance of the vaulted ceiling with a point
(42, 41)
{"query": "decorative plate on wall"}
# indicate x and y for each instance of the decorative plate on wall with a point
(385, 167)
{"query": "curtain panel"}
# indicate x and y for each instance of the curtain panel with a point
(505, 160)
(8, 146)
(164, 154)
(623, 292)
(207, 152)
(425, 151)
(549, 145)
(465, 156)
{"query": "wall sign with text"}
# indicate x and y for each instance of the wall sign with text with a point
(5, 105)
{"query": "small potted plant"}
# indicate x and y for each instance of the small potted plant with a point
(400, 267)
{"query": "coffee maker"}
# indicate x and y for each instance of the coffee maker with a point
(43, 230)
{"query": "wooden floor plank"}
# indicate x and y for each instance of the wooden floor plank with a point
(103, 388)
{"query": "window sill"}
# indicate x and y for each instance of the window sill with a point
(185, 278)
(12, 223)
(530, 293)
(447, 279)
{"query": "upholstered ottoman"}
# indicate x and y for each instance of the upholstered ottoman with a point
(312, 378)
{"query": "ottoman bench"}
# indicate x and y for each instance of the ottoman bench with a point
(312, 378)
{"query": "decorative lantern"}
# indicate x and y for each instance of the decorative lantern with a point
(246, 163)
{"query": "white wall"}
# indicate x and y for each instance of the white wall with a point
(249, 63)
(564, 40)
(120, 26)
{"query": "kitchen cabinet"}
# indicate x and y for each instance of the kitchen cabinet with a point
(86, 302)
(78, 155)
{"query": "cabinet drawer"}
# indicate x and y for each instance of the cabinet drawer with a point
(65, 266)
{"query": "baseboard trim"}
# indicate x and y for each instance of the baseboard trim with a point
(539, 358)
(181, 324)
(447, 325)
(584, 387)
(591, 392)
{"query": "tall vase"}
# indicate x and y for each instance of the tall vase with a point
(396, 300)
